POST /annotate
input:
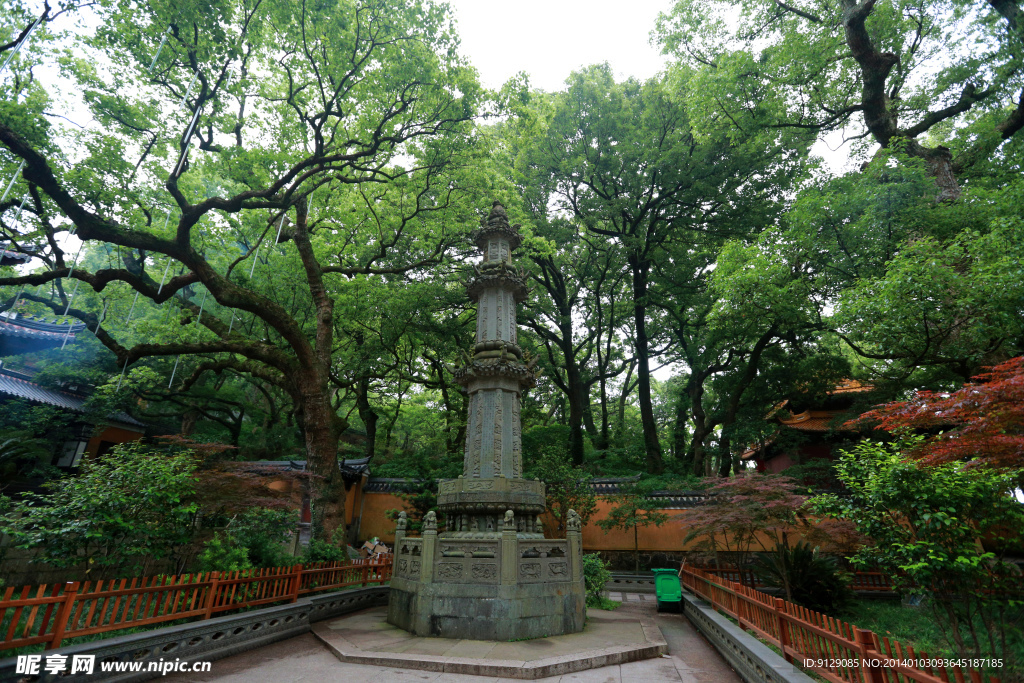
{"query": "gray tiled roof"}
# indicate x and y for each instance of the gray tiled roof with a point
(29, 391)
(26, 326)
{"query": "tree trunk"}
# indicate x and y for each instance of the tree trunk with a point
(188, 421)
(679, 430)
(327, 494)
(636, 550)
(620, 426)
(652, 448)
(700, 428)
(367, 414)
(588, 423)
(236, 426)
(575, 386)
(605, 439)
(724, 456)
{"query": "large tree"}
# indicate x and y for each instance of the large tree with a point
(218, 124)
(939, 79)
(624, 160)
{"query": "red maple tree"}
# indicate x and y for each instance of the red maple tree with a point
(981, 423)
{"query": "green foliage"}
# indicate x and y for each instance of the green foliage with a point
(222, 553)
(254, 538)
(917, 627)
(927, 524)
(116, 517)
(567, 487)
(320, 550)
(22, 455)
(595, 576)
(632, 508)
(807, 577)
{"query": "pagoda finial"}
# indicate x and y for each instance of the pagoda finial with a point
(497, 212)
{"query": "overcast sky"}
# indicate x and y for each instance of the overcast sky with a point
(550, 38)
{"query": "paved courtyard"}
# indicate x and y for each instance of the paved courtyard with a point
(305, 659)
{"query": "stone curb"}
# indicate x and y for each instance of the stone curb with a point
(754, 661)
(207, 640)
(345, 651)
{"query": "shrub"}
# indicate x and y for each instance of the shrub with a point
(925, 522)
(595, 576)
(223, 554)
(319, 550)
(807, 577)
(117, 516)
(252, 539)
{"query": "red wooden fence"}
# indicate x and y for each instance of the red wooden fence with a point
(49, 614)
(833, 649)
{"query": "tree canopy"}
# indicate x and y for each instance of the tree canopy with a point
(260, 211)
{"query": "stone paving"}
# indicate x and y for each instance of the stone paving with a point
(305, 659)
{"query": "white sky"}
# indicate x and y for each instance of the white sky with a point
(550, 38)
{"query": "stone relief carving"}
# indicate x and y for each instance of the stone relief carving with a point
(484, 571)
(482, 485)
(449, 570)
(558, 569)
(530, 570)
(499, 403)
(403, 564)
(517, 462)
(414, 567)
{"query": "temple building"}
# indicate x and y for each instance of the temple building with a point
(810, 430)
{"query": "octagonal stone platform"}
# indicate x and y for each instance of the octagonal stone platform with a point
(609, 638)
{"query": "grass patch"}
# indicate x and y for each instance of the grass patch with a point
(919, 628)
(609, 604)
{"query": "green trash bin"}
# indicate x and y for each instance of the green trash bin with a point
(668, 590)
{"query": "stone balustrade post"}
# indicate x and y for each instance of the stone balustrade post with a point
(574, 534)
(509, 551)
(429, 546)
(400, 532)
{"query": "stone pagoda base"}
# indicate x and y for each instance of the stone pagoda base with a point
(481, 612)
(504, 585)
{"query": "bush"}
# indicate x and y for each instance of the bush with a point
(221, 553)
(808, 577)
(116, 517)
(595, 576)
(934, 551)
(319, 550)
(252, 539)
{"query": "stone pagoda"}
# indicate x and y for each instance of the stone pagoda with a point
(491, 575)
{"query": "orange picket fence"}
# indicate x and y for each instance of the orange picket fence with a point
(833, 649)
(50, 614)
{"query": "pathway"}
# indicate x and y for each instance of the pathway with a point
(305, 659)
